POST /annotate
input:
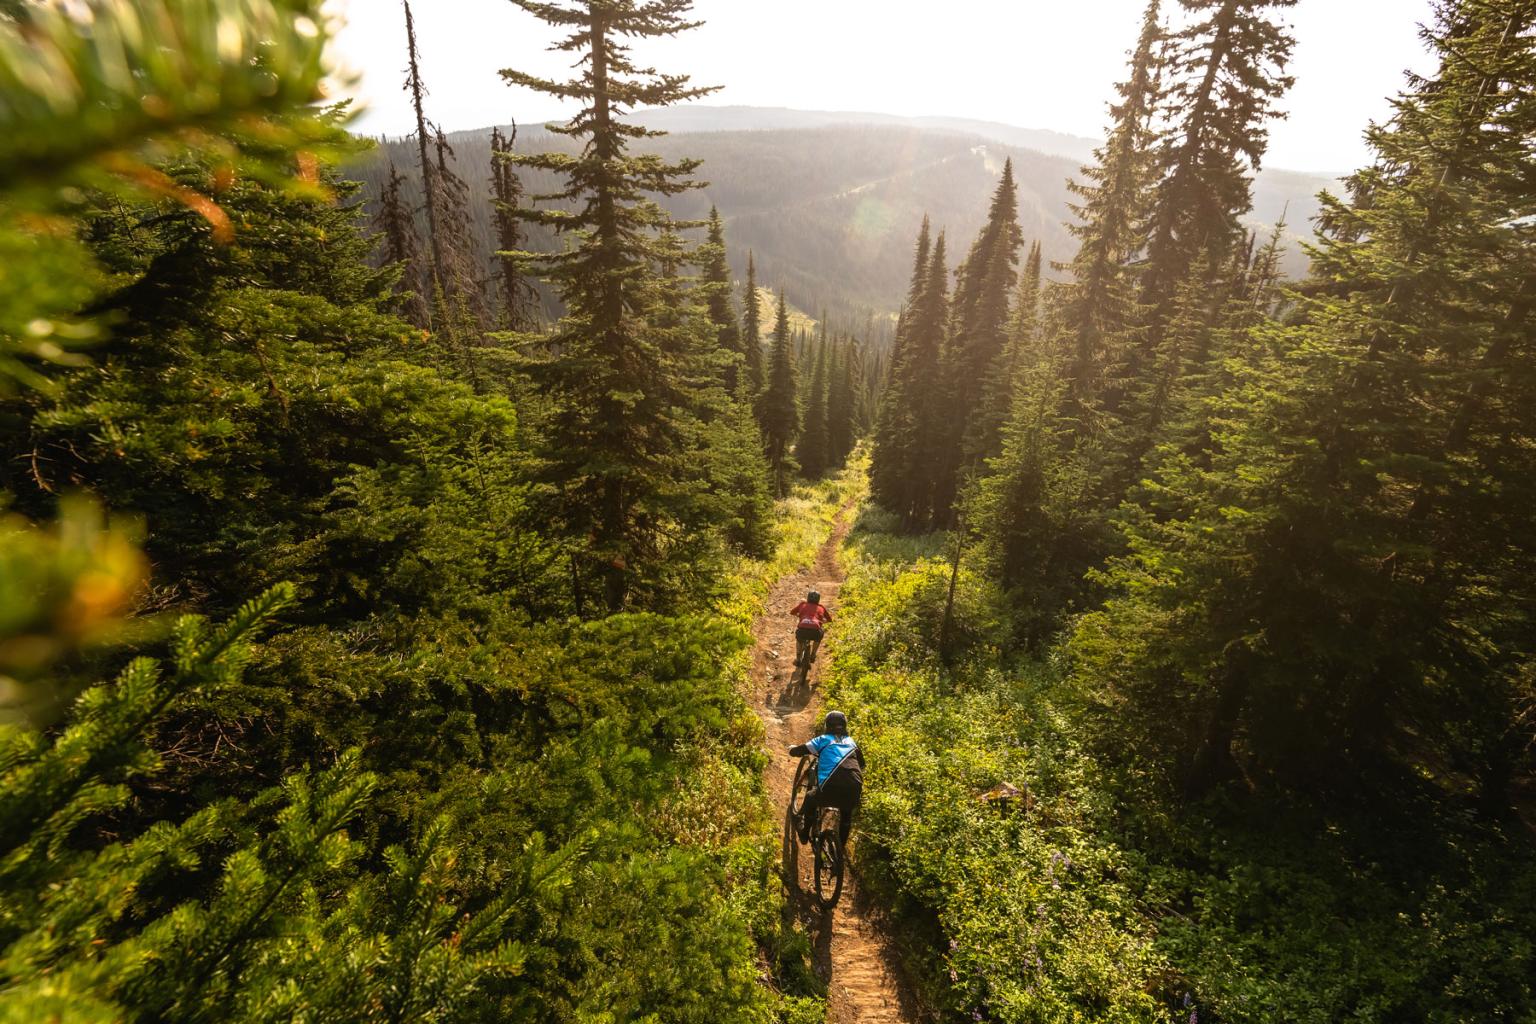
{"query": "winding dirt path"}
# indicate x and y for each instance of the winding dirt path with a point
(853, 954)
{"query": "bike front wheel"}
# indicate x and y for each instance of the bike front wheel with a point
(805, 781)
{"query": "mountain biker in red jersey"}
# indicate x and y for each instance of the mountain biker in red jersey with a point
(839, 775)
(810, 616)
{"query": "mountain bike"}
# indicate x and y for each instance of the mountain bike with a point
(826, 842)
(806, 648)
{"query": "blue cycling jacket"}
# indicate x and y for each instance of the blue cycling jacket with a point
(830, 751)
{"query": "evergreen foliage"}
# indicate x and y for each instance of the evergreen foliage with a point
(843, 402)
(889, 465)
(911, 440)
(618, 442)
(1341, 594)
(1224, 75)
(1245, 583)
(814, 448)
(401, 247)
(1215, 703)
(778, 407)
(752, 335)
(978, 344)
(717, 287)
(431, 793)
(517, 294)
(1097, 308)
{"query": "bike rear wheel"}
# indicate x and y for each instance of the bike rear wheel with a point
(827, 850)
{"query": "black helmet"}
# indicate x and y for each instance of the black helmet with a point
(837, 723)
(814, 597)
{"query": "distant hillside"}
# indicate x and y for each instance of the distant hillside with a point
(831, 211)
(704, 118)
(768, 314)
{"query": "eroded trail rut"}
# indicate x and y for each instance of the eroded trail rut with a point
(852, 952)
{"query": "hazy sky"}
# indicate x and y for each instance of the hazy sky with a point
(1035, 63)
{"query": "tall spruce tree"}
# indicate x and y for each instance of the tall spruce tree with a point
(979, 341)
(813, 450)
(517, 294)
(461, 309)
(717, 292)
(752, 333)
(1163, 391)
(891, 459)
(435, 272)
(1339, 582)
(779, 404)
(1226, 76)
(842, 403)
(1097, 306)
(618, 433)
(992, 411)
(927, 449)
(397, 229)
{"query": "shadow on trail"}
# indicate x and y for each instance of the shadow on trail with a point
(801, 903)
(796, 693)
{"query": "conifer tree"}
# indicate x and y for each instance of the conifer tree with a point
(978, 341)
(891, 462)
(397, 228)
(842, 403)
(1164, 391)
(813, 451)
(919, 449)
(1334, 582)
(435, 275)
(752, 333)
(1098, 305)
(507, 197)
(778, 406)
(619, 426)
(998, 387)
(1226, 77)
(717, 290)
(933, 407)
(461, 309)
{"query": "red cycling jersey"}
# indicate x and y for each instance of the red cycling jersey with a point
(811, 616)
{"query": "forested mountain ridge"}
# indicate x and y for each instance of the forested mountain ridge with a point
(827, 211)
(704, 117)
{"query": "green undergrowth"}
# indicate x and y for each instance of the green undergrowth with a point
(802, 523)
(1078, 900)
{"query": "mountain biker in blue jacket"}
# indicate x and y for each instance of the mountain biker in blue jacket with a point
(839, 774)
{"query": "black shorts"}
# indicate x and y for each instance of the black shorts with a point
(844, 791)
(808, 633)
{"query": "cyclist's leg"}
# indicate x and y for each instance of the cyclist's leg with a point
(844, 794)
(815, 647)
(808, 812)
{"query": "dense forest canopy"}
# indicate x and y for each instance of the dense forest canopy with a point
(393, 538)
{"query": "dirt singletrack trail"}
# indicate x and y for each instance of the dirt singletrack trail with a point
(853, 954)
